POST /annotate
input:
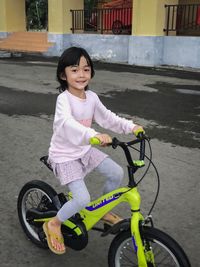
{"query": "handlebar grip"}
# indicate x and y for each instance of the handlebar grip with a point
(140, 135)
(94, 141)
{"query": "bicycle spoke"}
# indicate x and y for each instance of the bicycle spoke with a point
(126, 256)
(128, 259)
(128, 265)
(38, 196)
(34, 204)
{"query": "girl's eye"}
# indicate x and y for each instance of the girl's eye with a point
(74, 70)
(88, 69)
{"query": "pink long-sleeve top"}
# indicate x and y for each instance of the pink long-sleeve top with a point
(72, 125)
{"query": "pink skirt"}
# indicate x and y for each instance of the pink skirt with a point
(69, 171)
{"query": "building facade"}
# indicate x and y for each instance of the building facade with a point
(147, 45)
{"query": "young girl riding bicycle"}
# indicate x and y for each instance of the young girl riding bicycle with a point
(70, 154)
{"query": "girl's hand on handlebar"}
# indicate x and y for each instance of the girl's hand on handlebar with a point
(138, 130)
(105, 139)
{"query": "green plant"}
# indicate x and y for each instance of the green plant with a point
(36, 14)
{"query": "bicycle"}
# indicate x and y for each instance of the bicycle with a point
(136, 241)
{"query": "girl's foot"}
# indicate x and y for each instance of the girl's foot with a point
(54, 236)
(111, 218)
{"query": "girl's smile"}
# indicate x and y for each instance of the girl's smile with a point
(78, 77)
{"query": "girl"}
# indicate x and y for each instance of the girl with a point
(70, 154)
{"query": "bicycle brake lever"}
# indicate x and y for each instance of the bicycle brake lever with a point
(115, 143)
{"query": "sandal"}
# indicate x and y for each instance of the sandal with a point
(50, 235)
(111, 218)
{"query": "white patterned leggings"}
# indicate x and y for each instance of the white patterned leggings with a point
(81, 197)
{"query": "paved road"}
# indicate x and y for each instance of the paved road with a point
(165, 101)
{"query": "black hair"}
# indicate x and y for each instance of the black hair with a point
(70, 57)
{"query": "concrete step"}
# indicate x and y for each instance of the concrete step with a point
(26, 42)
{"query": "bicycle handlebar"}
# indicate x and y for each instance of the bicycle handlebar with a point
(95, 141)
(124, 145)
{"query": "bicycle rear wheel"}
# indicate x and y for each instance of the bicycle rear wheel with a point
(166, 250)
(34, 195)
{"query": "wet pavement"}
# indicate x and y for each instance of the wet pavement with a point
(165, 100)
(174, 108)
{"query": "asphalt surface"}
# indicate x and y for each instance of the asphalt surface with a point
(165, 101)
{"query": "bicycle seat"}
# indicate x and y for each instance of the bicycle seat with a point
(44, 160)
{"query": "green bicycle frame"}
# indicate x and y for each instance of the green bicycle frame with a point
(98, 208)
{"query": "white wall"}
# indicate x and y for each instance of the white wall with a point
(134, 50)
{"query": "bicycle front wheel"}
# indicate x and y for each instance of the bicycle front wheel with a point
(166, 250)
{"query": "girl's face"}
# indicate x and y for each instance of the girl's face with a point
(78, 76)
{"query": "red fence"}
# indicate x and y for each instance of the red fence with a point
(107, 20)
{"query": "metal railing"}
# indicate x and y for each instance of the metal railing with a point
(184, 19)
(107, 20)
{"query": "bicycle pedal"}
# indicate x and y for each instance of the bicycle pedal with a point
(42, 236)
(106, 226)
(106, 229)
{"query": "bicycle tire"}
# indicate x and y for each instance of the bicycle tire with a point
(117, 27)
(122, 246)
(39, 189)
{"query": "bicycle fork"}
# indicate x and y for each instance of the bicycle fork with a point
(144, 255)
